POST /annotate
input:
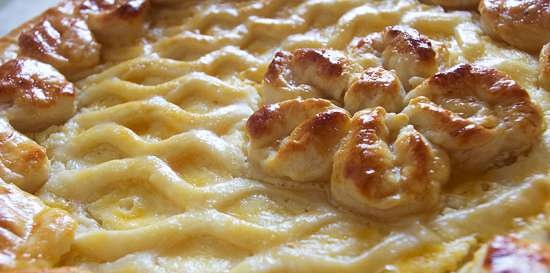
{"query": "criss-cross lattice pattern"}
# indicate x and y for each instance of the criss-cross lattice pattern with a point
(154, 166)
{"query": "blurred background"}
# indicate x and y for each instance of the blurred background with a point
(15, 12)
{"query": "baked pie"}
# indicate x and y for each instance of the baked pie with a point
(277, 136)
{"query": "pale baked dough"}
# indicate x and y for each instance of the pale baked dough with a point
(162, 172)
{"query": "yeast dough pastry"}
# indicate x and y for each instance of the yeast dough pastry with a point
(277, 136)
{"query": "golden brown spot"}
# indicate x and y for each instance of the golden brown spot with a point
(33, 82)
(326, 62)
(365, 165)
(62, 41)
(420, 153)
(322, 132)
(404, 50)
(258, 123)
(34, 95)
(119, 21)
(33, 157)
(409, 40)
(492, 86)
(277, 66)
(464, 76)
(308, 72)
(526, 11)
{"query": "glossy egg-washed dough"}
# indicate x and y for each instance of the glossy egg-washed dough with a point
(153, 167)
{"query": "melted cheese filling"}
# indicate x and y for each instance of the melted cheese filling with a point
(154, 166)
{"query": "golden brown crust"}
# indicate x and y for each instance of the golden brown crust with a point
(523, 24)
(8, 43)
(296, 138)
(308, 72)
(22, 161)
(62, 41)
(35, 95)
(115, 22)
(327, 63)
(481, 116)
(31, 234)
(38, 84)
(386, 169)
(328, 70)
(406, 51)
(409, 41)
(277, 71)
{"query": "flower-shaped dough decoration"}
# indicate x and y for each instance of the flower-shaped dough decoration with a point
(397, 152)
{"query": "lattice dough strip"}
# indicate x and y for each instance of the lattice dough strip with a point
(259, 25)
(224, 58)
(287, 259)
(199, 83)
(202, 142)
(519, 202)
(188, 45)
(205, 16)
(522, 201)
(87, 185)
(302, 19)
(160, 112)
(194, 223)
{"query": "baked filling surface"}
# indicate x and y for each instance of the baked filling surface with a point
(277, 136)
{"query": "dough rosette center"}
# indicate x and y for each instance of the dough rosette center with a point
(387, 169)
